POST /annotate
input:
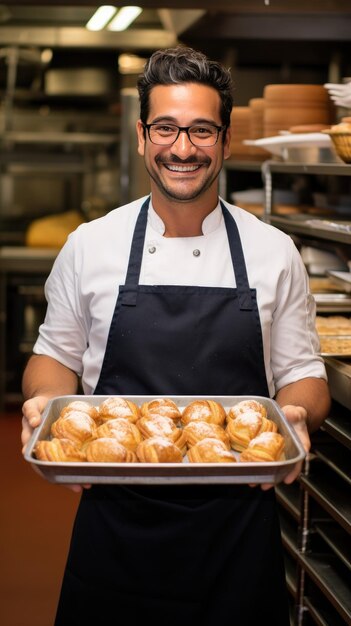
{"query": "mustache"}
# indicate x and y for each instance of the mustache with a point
(175, 160)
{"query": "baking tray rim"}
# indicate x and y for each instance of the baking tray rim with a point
(165, 472)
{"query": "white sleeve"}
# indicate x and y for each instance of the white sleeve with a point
(64, 333)
(294, 339)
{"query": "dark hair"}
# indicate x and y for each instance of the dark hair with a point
(184, 65)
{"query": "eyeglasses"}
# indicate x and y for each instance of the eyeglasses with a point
(200, 135)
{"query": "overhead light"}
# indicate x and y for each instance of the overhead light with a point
(124, 17)
(101, 17)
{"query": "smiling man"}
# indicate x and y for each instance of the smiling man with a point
(179, 293)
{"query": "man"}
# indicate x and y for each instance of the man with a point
(210, 301)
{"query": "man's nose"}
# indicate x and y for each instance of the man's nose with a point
(183, 145)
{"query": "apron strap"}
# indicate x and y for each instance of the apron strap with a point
(238, 260)
(129, 291)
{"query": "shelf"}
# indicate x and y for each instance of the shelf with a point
(337, 540)
(329, 169)
(298, 226)
(338, 459)
(321, 568)
(322, 615)
(339, 427)
(58, 138)
(331, 493)
(289, 497)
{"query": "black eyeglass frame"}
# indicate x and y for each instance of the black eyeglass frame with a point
(184, 129)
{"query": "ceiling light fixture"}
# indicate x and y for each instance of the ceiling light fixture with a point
(101, 17)
(124, 17)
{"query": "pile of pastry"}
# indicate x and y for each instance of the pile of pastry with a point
(119, 431)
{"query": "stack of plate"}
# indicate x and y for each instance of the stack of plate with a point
(240, 121)
(256, 126)
(292, 105)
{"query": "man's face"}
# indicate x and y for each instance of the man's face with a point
(182, 171)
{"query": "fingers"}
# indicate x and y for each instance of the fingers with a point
(78, 488)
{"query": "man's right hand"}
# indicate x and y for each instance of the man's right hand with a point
(31, 412)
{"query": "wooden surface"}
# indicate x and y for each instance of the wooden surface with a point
(36, 519)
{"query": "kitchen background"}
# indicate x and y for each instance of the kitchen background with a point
(68, 154)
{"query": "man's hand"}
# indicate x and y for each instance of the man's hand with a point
(31, 418)
(297, 416)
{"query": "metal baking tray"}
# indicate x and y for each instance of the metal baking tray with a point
(166, 473)
(332, 302)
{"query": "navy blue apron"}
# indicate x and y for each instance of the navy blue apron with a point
(178, 554)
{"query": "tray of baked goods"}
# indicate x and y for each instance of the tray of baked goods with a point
(334, 333)
(163, 440)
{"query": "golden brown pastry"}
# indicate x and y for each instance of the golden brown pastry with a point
(58, 450)
(265, 447)
(76, 426)
(204, 411)
(161, 426)
(118, 407)
(158, 450)
(81, 405)
(161, 406)
(123, 430)
(108, 450)
(247, 426)
(210, 450)
(196, 431)
(244, 405)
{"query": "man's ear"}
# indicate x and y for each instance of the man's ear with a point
(140, 137)
(226, 148)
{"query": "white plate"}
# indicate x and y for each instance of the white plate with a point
(277, 144)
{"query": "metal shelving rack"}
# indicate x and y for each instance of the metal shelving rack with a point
(316, 511)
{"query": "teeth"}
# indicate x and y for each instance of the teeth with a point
(182, 168)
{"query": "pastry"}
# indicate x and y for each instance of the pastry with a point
(210, 450)
(245, 427)
(158, 450)
(123, 430)
(161, 426)
(244, 405)
(265, 447)
(108, 450)
(204, 411)
(118, 407)
(161, 406)
(196, 431)
(58, 450)
(76, 426)
(81, 405)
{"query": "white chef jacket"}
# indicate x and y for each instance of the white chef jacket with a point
(83, 287)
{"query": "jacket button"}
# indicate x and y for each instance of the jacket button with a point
(196, 252)
(152, 249)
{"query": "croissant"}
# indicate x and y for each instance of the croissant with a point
(161, 406)
(58, 450)
(118, 407)
(247, 426)
(243, 406)
(204, 411)
(265, 447)
(76, 426)
(196, 431)
(123, 430)
(161, 426)
(158, 450)
(108, 450)
(210, 450)
(81, 405)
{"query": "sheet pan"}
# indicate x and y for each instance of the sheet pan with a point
(167, 473)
